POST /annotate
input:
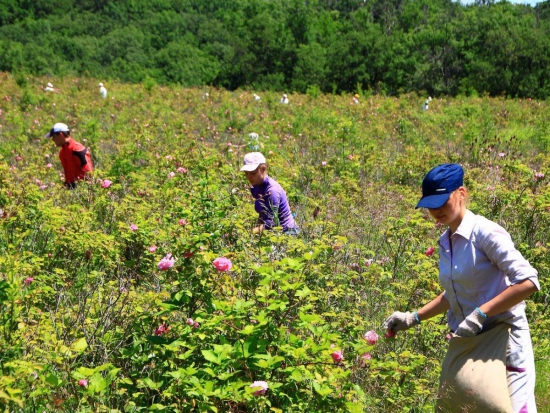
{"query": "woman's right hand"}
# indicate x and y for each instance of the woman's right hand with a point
(399, 321)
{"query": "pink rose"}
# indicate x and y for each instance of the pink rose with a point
(389, 333)
(324, 163)
(371, 337)
(166, 263)
(162, 329)
(260, 387)
(133, 227)
(430, 251)
(222, 264)
(365, 358)
(337, 356)
(28, 281)
(152, 248)
(190, 321)
(182, 170)
(106, 183)
(49, 165)
(83, 383)
(183, 222)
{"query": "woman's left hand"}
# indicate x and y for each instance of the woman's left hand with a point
(472, 325)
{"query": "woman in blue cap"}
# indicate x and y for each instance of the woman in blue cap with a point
(484, 277)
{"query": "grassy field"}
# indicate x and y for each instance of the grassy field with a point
(89, 322)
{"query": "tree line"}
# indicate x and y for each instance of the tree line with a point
(332, 46)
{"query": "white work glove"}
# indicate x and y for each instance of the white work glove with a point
(399, 321)
(472, 325)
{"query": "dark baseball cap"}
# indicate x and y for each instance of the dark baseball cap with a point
(439, 183)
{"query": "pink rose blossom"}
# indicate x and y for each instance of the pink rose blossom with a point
(365, 358)
(182, 170)
(383, 260)
(133, 227)
(190, 321)
(355, 267)
(83, 383)
(539, 175)
(195, 325)
(49, 165)
(260, 387)
(324, 163)
(171, 175)
(337, 356)
(152, 248)
(183, 222)
(166, 263)
(222, 264)
(42, 187)
(430, 251)
(162, 329)
(28, 281)
(371, 337)
(106, 183)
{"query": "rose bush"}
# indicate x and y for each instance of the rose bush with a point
(84, 299)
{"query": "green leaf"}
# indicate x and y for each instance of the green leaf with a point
(210, 356)
(296, 375)
(310, 318)
(98, 383)
(322, 390)
(79, 345)
(249, 329)
(53, 380)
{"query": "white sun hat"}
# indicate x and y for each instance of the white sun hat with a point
(252, 160)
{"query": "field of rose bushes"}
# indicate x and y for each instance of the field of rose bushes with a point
(145, 290)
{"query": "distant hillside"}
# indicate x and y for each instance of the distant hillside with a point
(387, 46)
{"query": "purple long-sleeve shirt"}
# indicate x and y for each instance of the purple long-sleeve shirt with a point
(272, 205)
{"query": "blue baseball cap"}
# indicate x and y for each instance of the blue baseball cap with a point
(439, 183)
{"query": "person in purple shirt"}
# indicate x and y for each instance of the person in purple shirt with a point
(271, 202)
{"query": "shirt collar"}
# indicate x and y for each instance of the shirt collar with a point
(467, 224)
(465, 229)
(265, 182)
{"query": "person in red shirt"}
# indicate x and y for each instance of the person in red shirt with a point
(75, 157)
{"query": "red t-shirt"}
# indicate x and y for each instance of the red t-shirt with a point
(76, 161)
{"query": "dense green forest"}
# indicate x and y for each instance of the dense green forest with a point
(383, 46)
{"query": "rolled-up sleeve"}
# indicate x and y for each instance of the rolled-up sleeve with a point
(500, 249)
